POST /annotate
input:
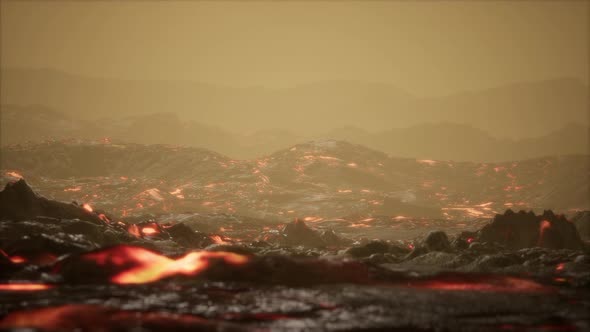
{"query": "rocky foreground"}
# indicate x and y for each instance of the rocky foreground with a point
(66, 266)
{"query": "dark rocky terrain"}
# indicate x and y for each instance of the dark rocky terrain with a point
(187, 239)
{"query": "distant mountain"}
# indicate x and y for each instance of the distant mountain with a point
(36, 123)
(460, 142)
(439, 141)
(19, 124)
(518, 110)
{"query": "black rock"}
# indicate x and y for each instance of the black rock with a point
(298, 233)
(19, 202)
(582, 222)
(186, 237)
(527, 230)
(437, 241)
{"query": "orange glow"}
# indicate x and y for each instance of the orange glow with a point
(543, 227)
(14, 175)
(217, 239)
(502, 284)
(104, 218)
(470, 240)
(149, 231)
(427, 162)
(87, 207)
(560, 267)
(24, 287)
(144, 266)
(78, 188)
(17, 259)
(134, 230)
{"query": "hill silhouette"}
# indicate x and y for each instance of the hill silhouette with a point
(517, 111)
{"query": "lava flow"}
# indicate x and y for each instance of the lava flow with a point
(24, 287)
(138, 265)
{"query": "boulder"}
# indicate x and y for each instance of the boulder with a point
(527, 230)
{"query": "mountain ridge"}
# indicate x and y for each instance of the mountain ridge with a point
(423, 141)
(518, 110)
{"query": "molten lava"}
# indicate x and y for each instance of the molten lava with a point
(149, 231)
(134, 230)
(17, 259)
(217, 239)
(24, 287)
(87, 207)
(139, 265)
(14, 175)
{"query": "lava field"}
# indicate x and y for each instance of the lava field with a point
(323, 236)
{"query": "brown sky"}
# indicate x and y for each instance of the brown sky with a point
(426, 48)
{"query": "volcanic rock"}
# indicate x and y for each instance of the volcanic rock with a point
(19, 202)
(526, 230)
(464, 240)
(373, 247)
(298, 233)
(437, 241)
(582, 222)
(188, 238)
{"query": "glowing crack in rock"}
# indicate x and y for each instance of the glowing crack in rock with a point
(501, 284)
(24, 287)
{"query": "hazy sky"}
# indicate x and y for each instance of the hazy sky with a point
(426, 48)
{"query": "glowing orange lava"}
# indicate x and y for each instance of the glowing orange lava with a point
(87, 207)
(14, 175)
(104, 218)
(134, 230)
(24, 287)
(17, 259)
(144, 266)
(217, 239)
(149, 231)
(427, 162)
